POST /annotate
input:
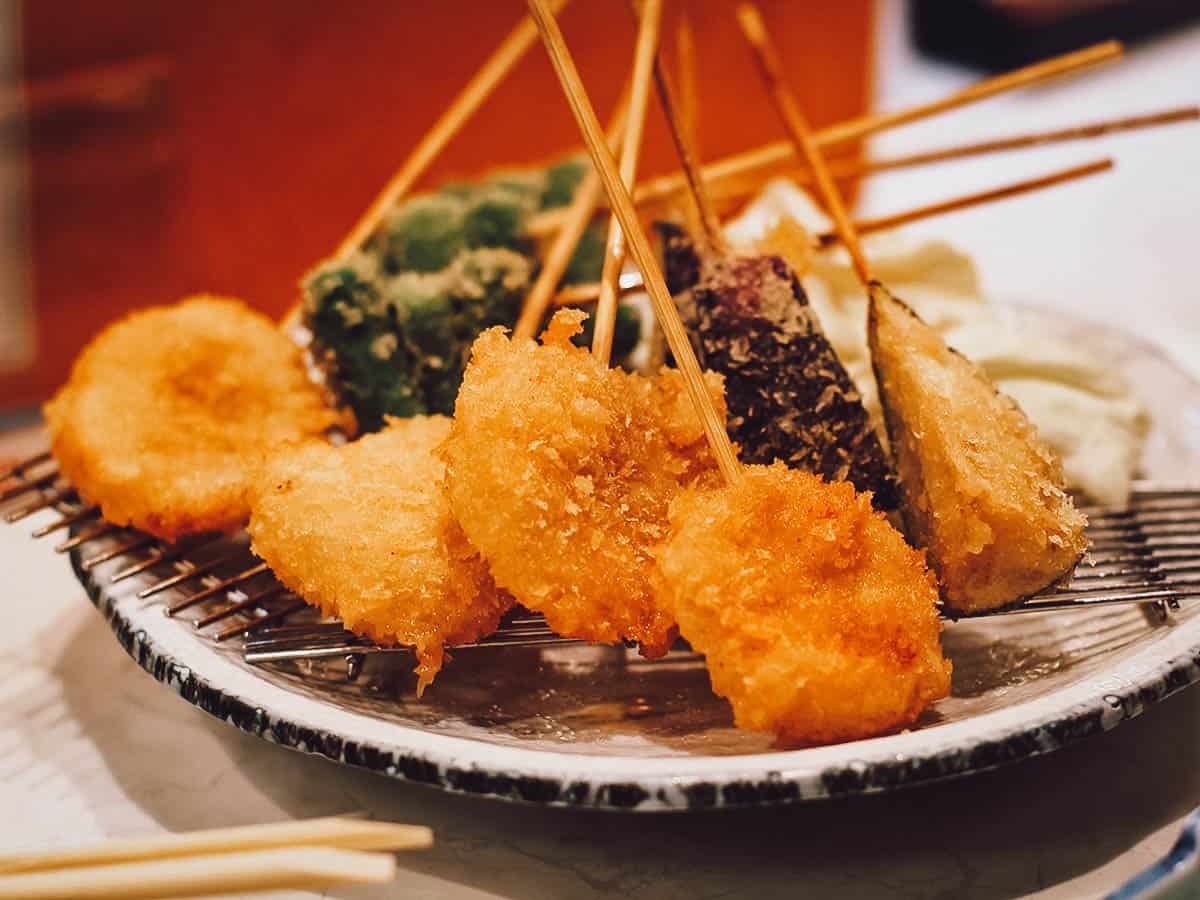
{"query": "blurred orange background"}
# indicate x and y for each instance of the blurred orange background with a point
(227, 147)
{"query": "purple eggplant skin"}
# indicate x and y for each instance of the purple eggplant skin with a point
(788, 395)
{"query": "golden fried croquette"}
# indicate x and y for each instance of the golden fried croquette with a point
(167, 411)
(560, 471)
(980, 491)
(364, 532)
(817, 620)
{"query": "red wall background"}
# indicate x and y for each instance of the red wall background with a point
(226, 147)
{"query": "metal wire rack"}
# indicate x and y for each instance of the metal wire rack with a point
(1147, 554)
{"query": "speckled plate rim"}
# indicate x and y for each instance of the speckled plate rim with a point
(207, 678)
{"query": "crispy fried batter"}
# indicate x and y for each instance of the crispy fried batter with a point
(560, 471)
(167, 410)
(981, 492)
(365, 533)
(817, 620)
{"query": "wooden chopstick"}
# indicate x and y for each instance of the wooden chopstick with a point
(198, 876)
(335, 831)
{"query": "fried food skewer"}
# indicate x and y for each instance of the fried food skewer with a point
(561, 470)
(664, 306)
(981, 493)
(730, 558)
(788, 395)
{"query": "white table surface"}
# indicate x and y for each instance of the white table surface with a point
(91, 747)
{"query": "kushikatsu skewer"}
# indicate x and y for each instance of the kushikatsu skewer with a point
(788, 396)
(614, 245)
(802, 683)
(639, 245)
(577, 294)
(980, 492)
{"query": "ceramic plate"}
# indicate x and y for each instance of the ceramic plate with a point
(588, 726)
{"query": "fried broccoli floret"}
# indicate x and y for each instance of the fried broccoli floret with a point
(392, 326)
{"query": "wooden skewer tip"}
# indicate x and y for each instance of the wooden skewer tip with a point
(622, 203)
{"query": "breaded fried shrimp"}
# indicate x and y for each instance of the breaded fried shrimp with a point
(817, 620)
(364, 532)
(560, 471)
(168, 410)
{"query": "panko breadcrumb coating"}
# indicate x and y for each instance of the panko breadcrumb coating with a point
(981, 492)
(364, 532)
(817, 620)
(168, 410)
(560, 471)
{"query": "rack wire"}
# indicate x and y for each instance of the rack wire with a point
(1146, 554)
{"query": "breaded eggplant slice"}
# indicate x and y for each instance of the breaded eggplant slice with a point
(789, 396)
(979, 490)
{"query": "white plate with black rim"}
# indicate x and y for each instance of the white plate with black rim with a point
(598, 727)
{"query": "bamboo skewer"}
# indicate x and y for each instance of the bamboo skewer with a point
(882, 223)
(774, 154)
(578, 216)
(710, 223)
(849, 169)
(639, 246)
(197, 876)
(336, 832)
(689, 89)
(689, 97)
(771, 70)
(478, 89)
(742, 183)
(578, 294)
(614, 252)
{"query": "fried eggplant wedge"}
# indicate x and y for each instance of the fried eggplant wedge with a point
(980, 492)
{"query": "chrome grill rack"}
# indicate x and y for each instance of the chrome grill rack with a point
(1146, 554)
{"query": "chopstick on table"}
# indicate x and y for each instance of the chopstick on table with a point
(307, 853)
